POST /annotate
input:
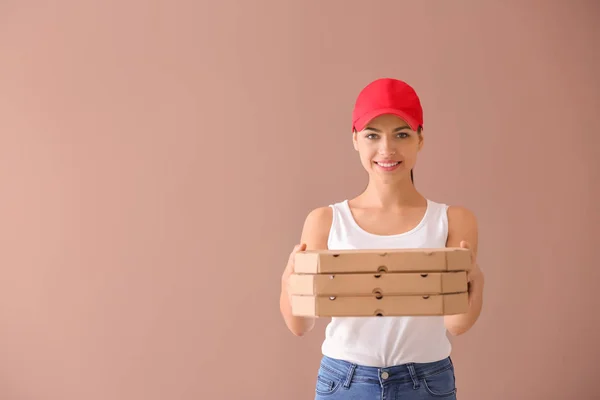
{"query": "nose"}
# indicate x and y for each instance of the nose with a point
(386, 147)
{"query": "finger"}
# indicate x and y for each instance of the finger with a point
(299, 247)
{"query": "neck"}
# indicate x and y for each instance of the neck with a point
(391, 195)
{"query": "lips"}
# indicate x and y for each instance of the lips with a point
(387, 164)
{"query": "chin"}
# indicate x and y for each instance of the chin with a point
(385, 178)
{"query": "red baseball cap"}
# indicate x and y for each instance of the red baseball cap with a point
(387, 96)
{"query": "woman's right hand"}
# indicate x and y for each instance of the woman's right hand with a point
(315, 234)
(289, 268)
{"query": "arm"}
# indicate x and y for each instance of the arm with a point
(463, 232)
(315, 234)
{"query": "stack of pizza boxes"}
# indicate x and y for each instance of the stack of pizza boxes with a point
(363, 283)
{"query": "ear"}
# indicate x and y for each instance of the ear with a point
(355, 140)
(421, 142)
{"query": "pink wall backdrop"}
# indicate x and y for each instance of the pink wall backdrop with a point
(157, 160)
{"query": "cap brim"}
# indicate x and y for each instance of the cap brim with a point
(362, 122)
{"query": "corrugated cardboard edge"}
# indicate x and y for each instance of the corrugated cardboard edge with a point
(304, 306)
(454, 279)
(454, 259)
(457, 303)
(308, 261)
(303, 284)
(305, 262)
(384, 250)
(309, 284)
(452, 304)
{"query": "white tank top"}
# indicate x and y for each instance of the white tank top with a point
(387, 341)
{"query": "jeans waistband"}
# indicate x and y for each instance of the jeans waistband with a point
(348, 371)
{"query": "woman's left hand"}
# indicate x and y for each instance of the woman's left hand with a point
(475, 275)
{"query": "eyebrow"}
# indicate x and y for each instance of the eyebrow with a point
(368, 128)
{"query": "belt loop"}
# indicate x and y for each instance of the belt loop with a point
(413, 375)
(349, 375)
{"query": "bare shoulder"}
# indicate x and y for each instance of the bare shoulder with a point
(460, 216)
(317, 224)
(462, 225)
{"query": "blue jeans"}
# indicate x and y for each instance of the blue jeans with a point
(339, 379)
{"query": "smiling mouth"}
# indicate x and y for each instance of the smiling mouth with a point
(387, 164)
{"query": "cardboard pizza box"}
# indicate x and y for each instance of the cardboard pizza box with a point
(386, 306)
(373, 284)
(380, 261)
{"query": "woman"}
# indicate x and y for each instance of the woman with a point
(389, 357)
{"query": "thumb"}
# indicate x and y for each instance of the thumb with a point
(297, 248)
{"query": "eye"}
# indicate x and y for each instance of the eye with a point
(403, 135)
(371, 136)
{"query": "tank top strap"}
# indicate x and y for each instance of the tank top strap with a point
(342, 213)
(436, 210)
(341, 224)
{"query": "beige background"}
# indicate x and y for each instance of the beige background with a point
(157, 160)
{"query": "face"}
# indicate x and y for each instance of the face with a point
(388, 148)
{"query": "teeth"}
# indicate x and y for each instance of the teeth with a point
(387, 165)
